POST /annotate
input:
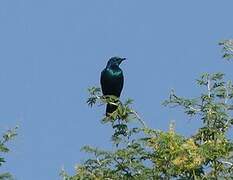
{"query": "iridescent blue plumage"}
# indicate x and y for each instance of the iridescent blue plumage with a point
(112, 80)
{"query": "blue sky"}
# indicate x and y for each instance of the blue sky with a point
(51, 51)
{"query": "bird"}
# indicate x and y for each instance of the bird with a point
(112, 81)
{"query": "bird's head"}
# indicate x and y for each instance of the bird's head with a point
(115, 61)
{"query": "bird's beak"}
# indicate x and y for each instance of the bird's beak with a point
(123, 59)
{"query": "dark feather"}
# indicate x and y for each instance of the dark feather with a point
(112, 81)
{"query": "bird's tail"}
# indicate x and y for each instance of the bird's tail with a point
(110, 108)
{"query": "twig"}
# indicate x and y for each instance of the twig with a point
(122, 167)
(226, 162)
(139, 118)
(208, 87)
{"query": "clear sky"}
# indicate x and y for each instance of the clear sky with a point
(51, 51)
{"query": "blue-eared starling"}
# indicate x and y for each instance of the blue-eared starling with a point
(112, 81)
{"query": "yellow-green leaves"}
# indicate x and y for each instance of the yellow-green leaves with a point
(145, 153)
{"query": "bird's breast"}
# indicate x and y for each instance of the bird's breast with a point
(112, 82)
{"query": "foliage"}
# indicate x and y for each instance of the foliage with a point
(145, 153)
(227, 48)
(7, 136)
